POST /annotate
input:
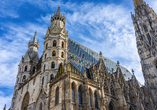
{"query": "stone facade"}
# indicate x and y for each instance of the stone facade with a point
(145, 25)
(57, 82)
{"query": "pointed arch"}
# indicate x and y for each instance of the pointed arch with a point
(33, 70)
(96, 100)
(54, 43)
(111, 105)
(80, 95)
(45, 56)
(90, 97)
(62, 54)
(54, 53)
(57, 96)
(43, 81)
(131, 108)
(26, 68)
(62, 44)
(40, 108)
(53, 65)
(46, 45)
(44, 67)
(73, 92)
(24, 78)
(25, 101)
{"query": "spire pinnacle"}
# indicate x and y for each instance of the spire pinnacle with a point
(58, 12)
(35, 37)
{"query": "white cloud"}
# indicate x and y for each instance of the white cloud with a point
(5, 100)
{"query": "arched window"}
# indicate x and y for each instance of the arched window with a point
(111, 106)
(96, 100)
(147, 33)
(46, 45)
(62, 55)
(25, 102)
(45, 56)
(51, 77)
(145, 28)
(90, 97)
(149, 38)
(24, 78)
(43, 81)
(131, 108)
(40, 108)
(54, 43)
(44, 67)
(80, 95)
(73, 93)
(54, 53)
(62, 44)
(52, 65)
(33, 69)
(25, 68)
(57, 96)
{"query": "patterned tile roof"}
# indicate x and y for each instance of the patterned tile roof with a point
(81, 56)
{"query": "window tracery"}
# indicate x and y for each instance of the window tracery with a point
(54, 43)
(80, 95)
(52, 65)
(54, 53)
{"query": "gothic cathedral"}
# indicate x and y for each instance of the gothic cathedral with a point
(69, 76)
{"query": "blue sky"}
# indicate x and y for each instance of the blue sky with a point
(101, 25)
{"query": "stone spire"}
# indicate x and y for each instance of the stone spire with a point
(34, 43)
(35, 37)
(58, 12)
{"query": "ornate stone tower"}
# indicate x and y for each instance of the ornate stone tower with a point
(27, 67)
(55, 46)
(145, 25)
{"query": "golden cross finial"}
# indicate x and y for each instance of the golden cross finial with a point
(136, 2)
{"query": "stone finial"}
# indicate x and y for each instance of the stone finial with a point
(85, 72)
(35, 37)
(112, 70)
(133, 71)
(100, 54)
(117, 63)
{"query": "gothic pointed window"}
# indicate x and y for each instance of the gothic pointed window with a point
(25, 68)
(46, 45)
(62, 55)
(45, 56)
(54, 43)
(111, 106)
(57, 96)
(52, 65)
(62, 44)
(149, 38)
(25, 102)
(33, 69)
(80, 95)
(147, 34)
(40, 108)
(90, 97)
(43, 81)
(24, 78)
(44, 67)
(73, 93)
(96, 100)
(145, 28)
(54, 53)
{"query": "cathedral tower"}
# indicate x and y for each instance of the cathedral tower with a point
(55, 46)
(145, 25)
(27, 67)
